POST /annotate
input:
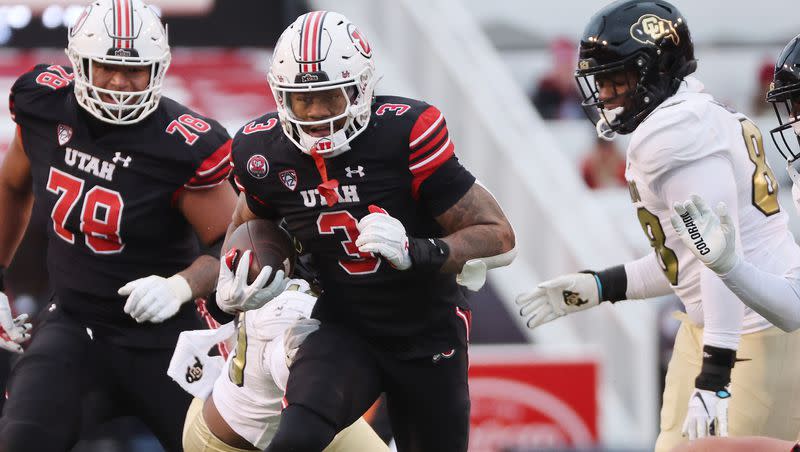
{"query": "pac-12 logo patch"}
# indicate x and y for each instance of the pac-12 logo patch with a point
(288, 178)
(64, 133)
(257, 166)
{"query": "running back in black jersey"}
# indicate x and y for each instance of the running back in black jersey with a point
(111, 193)
(403, 162)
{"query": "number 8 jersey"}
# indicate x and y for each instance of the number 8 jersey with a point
(691, 144)
(110, 194)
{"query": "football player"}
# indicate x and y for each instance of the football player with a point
(776, 296)
(634, 70)
(130, 180)
(371, 187)
(243, 409)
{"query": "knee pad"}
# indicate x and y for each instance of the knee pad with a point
(301, 430)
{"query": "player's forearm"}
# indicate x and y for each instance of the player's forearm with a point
(477, 228)
(202, 275)
(15, 211)
(775, 297)
(475, 242)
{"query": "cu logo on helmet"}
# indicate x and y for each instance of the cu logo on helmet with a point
(651, 29)
(257, 166)
(359, 40)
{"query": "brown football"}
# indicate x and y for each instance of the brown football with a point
(271, 245)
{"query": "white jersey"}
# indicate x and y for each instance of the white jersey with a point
(249, 392)
(691, 144)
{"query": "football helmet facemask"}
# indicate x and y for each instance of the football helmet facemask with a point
(320, 52)
(646, 43)
(784, 95)
(118, 33)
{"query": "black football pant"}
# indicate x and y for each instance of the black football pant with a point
(337, 375)
(66, 382)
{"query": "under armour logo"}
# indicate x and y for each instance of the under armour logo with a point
(195, 371)
(118, 158)
(359, 171)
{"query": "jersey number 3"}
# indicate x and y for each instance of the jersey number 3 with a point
(359, 263)
(101, 213)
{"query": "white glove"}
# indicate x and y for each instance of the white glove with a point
(233, 293)
(13, 331)
(557, 297)
(710, 236)
(155, 299)
(295, 335)
(707, 414)
(385, 235)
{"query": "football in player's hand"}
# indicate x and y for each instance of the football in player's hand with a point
(270, 244)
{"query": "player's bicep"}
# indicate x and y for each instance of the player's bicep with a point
(15, 172)
(209, 211)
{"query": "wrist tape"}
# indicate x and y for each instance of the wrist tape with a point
(715, 374)
(428, 255)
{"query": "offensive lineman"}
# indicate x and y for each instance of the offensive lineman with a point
(129, 179)
(372, 189)
(635, 61)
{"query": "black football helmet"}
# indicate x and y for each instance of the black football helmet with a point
(784, 95)
(647, 39)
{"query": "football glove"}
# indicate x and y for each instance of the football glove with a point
(13, 331)
(154, 298)
(557, 297)
(295, 335)
(709, 235)
(235, 295)
(384, 235)
(707, 414)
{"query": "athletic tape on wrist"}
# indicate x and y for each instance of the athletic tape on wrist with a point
(428, 254)
(612, 283)
(715, 374)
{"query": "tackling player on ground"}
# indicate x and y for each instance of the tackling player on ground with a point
(130, 180)
(636, 58)
(371, 187)
(243, 411)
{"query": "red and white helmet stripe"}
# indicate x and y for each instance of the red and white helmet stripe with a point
(311, 42)
(123, 24)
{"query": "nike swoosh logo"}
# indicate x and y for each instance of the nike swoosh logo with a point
(700, 398)
(738, 360)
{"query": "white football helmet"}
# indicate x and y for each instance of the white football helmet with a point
(118, 32)
(320, 51)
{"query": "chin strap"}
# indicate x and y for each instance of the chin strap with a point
(603, 126)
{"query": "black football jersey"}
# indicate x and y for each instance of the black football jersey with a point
(403, 162)
(110, 192)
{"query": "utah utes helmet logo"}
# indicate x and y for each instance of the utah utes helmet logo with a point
(359, 40)
(257, 166)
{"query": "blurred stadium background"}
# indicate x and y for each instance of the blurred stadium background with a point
(501, 72)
